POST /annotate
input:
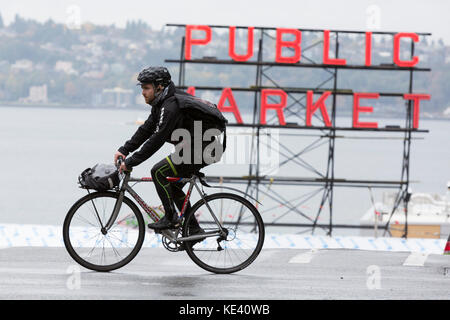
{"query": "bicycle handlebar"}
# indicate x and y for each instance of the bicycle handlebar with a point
(120, 159)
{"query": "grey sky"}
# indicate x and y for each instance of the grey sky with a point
(394, 15)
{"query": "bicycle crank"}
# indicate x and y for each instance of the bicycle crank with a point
(170, 245)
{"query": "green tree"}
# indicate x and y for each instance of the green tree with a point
(1, 21)
(19, 25)
(136, 30)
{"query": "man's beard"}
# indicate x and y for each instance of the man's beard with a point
(159, 97)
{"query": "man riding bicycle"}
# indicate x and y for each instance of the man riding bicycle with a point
(165, 118)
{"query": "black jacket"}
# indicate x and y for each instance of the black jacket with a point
(157, 129)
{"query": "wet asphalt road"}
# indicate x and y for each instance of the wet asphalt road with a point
(50, 273)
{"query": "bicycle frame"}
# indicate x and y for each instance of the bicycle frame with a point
(154, 216)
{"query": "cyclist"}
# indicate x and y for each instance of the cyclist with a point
(165, 117)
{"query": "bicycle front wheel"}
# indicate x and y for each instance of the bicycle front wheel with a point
(95, 248)
(244, 230)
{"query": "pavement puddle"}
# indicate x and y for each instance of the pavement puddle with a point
(305, 257)
(416, 259)
(33, 271)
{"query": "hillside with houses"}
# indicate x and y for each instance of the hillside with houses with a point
(96, 65)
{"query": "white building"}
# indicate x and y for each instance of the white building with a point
(65, 66)
(117, 97)
(22, 65)
(446, 113)
(94, 74)
(37, 94)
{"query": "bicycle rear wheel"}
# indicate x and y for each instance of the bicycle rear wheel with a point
(92, 247)
(243, 225)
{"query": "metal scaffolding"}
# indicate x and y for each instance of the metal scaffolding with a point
(259, 185)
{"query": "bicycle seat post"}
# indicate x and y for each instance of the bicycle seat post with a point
(202, 195)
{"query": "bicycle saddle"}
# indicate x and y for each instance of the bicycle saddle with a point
(198, 174)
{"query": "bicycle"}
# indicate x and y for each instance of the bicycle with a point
(104, 231)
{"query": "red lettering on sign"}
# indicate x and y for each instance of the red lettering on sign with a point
(227, 94)
(294, 44)
(231, 48)
(312, 107)
(190, 42)
(397, 61)
(326, 51)
(275, 106)
(191, 91)
(416, 97)
(368, 49)
(357, 109)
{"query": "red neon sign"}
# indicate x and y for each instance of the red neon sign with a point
(227, 94)
(295, 44)
(397, 61)
(416, 98)
(368, 49)
(231, 50)
(278, 107)
(227, 102)
(190, 42)
(358, 108)
(312, 107)
(326, 51)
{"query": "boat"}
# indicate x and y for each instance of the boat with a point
(428, 216)
(138, 121)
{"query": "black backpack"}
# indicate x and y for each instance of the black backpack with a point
(100, 177)
(207, 112)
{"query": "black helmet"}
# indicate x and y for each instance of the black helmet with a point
(154, 75)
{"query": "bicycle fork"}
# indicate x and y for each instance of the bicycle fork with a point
(115, 212)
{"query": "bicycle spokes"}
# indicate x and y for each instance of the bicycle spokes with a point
(240, 239)
(96, 245)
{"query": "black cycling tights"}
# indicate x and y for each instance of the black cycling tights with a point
(170, 192)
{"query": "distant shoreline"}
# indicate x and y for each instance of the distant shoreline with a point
(147, 108)
(70, 106)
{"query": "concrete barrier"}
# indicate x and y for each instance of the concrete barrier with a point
(16, 235)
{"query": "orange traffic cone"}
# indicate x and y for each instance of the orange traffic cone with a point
(447, 246)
